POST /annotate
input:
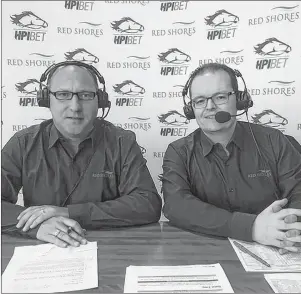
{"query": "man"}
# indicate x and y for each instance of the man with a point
(219, 181)
(77, 171)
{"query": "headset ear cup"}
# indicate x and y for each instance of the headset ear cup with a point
(188, 111)
(248, 98)
(243, 100)
(103, 99)
(43, 98)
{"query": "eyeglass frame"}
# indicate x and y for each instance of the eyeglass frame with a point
(73, 93)
(211, 97)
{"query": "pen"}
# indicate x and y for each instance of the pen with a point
(245, 250)
(70, 230)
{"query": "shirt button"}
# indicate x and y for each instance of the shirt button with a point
(231, 190)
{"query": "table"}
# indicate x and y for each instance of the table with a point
(155, 244)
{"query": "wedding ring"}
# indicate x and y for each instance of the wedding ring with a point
(56, 233)
(70, 230)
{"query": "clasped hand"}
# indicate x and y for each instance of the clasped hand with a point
(278, 226)
(35, 215)
(56, 226)
(62, 231)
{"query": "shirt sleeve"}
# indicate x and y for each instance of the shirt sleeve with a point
(289, 169)
(11, 183)
(138, 202)
(187, 211)
(294, 142)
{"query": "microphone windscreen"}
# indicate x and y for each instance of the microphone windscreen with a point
(222, 116)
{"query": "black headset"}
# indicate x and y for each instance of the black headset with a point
(43, 93)
(243, 98)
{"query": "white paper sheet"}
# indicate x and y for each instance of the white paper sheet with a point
(289, 262)
(47, 268)
(284, 283)
(177, 279)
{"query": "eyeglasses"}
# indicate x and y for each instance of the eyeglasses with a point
(218, 99)
(66, 95)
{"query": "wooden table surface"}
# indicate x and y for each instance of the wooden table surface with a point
(156, 244)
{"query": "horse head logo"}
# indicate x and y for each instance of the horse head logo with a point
(270, 118)
(221, 18)
(127, 25)
(174, 56)
(83, 55)
(28, 19)
(30, 87)
(273, 47)
(129, 88)
(173, 118)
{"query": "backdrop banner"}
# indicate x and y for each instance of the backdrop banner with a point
(146, 50)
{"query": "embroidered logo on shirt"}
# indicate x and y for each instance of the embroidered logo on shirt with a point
(261, 173)
(104, 174)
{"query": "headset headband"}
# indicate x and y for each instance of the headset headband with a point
(53, 67)
(236, 73)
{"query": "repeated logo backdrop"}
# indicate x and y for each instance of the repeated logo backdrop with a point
(146, 51)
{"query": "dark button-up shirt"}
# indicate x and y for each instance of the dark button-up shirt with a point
(209, 192)
(106, 183)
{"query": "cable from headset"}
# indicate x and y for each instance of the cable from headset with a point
(107, 112)
(102, 116)
(103, 111)
(254, 139)
(263, 159)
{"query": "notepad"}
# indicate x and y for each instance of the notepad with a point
(284, 283)
(208, 278)
(47, 268)
(289, 262)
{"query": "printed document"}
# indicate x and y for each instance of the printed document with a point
(177, 279)
(47, 268)
(289, 262)
(284, 283)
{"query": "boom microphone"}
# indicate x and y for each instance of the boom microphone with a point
(224, 116)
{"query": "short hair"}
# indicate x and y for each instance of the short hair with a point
(51, 73)
(212, 68)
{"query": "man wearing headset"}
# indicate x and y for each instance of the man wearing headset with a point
(230, 178)
(77, 171)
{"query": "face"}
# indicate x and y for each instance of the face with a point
(73, 118)
(206, 85)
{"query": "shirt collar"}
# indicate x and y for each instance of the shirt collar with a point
(237, 139)
(206, 143)
(55, 135)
